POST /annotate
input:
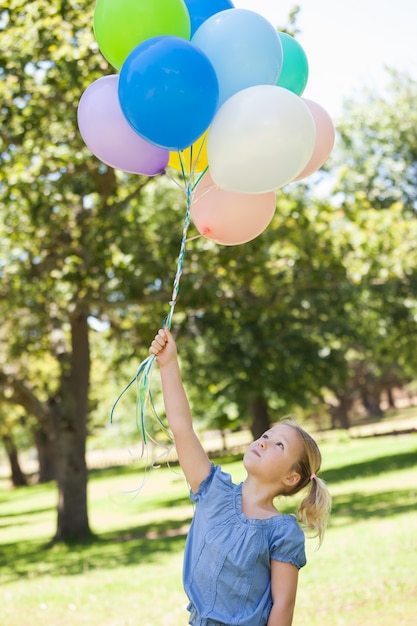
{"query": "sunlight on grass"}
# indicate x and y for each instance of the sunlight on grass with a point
(363, 575)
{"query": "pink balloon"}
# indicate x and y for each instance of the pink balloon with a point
(325, 136)
(227, 217)
(108, 135)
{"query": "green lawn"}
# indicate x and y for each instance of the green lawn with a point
(363, 575)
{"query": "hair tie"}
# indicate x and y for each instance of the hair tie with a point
(313, 476)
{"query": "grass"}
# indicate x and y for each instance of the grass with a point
(130, 574)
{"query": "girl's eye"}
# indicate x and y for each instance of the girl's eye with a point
(280, 444)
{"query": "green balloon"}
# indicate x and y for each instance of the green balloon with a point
(121, 25)
(294, 72)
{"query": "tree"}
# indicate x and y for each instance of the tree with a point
(266, 317)
(376, 165)
(73, 242)
(8, 427)
(376, 158)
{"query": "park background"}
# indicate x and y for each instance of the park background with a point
(87, 260)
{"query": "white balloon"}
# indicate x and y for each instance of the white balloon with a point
(260, 139)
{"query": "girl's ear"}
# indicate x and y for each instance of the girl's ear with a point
(292, 479)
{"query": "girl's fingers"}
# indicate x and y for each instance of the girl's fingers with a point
(159, 343)
(161, 338)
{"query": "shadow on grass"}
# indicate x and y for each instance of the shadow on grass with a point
(373, 467)
(356, 506)
(148, 543)
(24, 518)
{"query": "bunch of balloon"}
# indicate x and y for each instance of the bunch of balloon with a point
(204, 87)
(212, 92)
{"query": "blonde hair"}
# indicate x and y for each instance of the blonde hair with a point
(314, 510)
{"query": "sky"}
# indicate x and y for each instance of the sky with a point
(348, 43)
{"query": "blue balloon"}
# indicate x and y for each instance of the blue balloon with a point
(168, 92)
(244, 48)
(201, 10)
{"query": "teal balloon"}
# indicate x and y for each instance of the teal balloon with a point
(294, 71)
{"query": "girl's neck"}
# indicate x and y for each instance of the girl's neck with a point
(257, 500)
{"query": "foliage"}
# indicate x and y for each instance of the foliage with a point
(378, 151)
(375, 164)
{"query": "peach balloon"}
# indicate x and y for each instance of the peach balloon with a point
(325, 137)
(193, 158)
(230, 218)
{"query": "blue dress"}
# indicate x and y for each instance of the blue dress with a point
(227, 572)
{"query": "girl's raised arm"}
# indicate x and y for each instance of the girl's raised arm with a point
(192, 457)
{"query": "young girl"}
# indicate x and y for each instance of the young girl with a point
(242, 556)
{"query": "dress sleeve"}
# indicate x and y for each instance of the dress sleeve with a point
(288, 545)
(204, 485)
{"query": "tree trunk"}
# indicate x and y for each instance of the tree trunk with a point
(340, 413)
(391, 399)
(258, 409)
(72, 515)
(224, 442)
(17, 476)
(371, 403)
(64, 418)
(71, 432)
(46, 455)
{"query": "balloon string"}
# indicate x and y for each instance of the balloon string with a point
(142, 377)
(192, 164)
(181, 255)
(194, 237)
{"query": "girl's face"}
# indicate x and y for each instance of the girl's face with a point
(272, 457)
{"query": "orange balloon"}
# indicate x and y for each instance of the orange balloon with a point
(193, 158)
(325, 136)
(227, 217)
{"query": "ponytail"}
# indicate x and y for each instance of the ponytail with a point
(314, 509)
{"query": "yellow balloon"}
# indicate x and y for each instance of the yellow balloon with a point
(193, 158)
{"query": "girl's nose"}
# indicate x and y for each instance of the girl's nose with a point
(261, 444)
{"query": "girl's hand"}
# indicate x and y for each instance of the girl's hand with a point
(163, 347)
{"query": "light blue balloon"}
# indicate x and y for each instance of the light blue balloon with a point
(244, 49)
